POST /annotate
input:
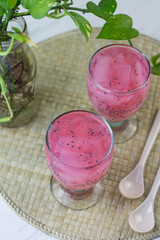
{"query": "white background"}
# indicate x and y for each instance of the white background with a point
(146, 18)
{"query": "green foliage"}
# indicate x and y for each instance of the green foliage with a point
(16, 29)
(155, 69)
(21, 37)
(18, 3)
(27, 4)
(8, 4)
(38, 8)
(105, 9)
(2, 11)
(83, 25)
(156, 59)
(119, 27)
(116, 26)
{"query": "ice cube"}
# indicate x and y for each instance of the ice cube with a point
(120, 58)
(102, 69)
(122, 74)
(140, 74)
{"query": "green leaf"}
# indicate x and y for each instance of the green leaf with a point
(2, 11)
(16, 29)
(156, 59)
(8, 4)
(21, 37)
(105, 8)
(28, 3)
(119, 27)
(18, 3)
(38, 8)
(82, 23)
(41, 8)
(155, 69)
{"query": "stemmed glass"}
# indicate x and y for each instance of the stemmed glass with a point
(79, 150)
(118, 81)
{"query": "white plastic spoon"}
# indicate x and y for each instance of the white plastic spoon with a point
(132, 186)
(142, 218)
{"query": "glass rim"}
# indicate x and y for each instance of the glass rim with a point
(101, 118)
(21, 21)
(122, 46)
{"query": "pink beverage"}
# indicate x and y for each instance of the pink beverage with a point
(118, 81)
(79, 149)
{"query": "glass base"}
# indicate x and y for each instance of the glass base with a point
(77, 200)
(124, 130)
(23, 117)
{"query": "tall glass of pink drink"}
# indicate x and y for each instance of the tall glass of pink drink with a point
(79, 150)
(118, 81)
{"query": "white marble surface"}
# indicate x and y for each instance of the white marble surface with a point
(146, 17)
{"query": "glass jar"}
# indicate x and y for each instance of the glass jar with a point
(18, 70)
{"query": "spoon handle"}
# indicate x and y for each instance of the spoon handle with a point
(155, 185)
(151, 138)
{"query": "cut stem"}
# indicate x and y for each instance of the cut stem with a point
(3, 93)
(9, 49)
(130, 43)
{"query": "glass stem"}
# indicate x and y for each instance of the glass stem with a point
(116, 124)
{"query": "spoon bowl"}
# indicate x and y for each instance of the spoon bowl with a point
(142, 218)
(132, 186)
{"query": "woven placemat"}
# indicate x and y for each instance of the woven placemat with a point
(24, 174)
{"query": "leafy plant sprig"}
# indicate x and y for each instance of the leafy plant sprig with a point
(116, 26)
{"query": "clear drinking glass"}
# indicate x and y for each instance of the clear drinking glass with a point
(79, 150)
(118, 81)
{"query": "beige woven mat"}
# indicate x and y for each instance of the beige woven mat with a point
(24, 174)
